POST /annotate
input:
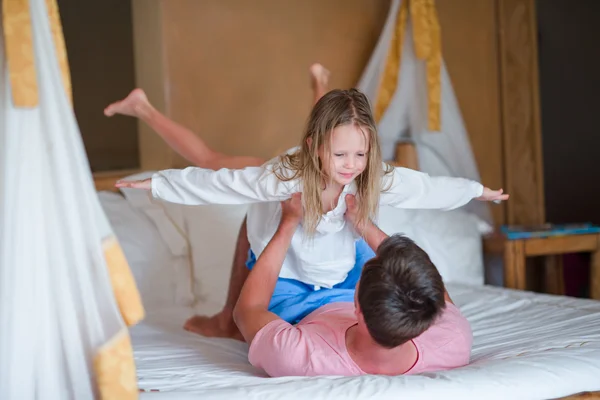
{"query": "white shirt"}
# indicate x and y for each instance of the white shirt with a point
(325, 259)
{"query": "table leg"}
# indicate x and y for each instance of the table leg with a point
(595, 273)
(514, 265)
(553, 275)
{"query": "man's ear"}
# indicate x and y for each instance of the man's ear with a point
(359, 315)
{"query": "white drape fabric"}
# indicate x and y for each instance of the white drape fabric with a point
(445, 153)
(57, 306)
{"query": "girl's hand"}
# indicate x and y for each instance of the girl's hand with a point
(493, 195)
(145, 184)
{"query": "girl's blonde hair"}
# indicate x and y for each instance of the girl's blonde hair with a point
(336, 108)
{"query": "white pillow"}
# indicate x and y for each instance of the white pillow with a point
(162, 275)
(211, 230)
(451, 238)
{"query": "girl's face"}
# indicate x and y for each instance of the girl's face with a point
(347, 158)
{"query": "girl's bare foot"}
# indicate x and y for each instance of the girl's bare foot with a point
(220, 325)
(320, 79)
(136, 104)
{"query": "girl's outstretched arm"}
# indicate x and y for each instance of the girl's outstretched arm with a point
(407, 188)
(200, 186)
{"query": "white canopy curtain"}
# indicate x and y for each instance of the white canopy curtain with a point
(66, 292)
(447, 152)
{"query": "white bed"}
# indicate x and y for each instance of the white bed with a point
(526, 346)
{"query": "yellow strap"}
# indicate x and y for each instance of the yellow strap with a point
(389, 79)
(18, 38)
(126, 293)
(19, 52)
(59, 45)
(114, 367)
(427, 42)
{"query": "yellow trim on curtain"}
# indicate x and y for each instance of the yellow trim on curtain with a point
(389, 80)
(427, 42)
(123, 284)
(114, 364)
(115, 369)
(59, 45)
(19, 52)
(18, 38)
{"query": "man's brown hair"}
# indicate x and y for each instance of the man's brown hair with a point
(400, 293)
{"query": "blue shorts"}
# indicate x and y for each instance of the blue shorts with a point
(293, 300)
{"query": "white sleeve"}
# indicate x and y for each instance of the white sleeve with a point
(408, 188)
(199, 186)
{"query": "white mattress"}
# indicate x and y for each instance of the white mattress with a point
(526, 345)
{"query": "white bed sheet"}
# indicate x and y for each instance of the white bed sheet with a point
(526, 346)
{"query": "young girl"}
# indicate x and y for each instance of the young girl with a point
(339, 155)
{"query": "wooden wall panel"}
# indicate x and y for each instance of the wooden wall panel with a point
(520, 111)
(237, 70)
(470, 49)
(150, 75)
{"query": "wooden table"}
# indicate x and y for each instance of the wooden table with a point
(515, 253)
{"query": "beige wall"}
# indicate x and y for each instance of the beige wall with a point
(470, 49)
(236, 71)
(150, 75)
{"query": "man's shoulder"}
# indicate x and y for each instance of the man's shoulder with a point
(452, 319)
(450, 328)
(339, 309)
(313, 347)
(445, 345)
(336, 307)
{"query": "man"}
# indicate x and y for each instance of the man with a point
(402, 320)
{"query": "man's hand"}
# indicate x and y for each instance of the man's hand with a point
(251, 312)
(368, 230)
(291, 209)
(352, 213)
